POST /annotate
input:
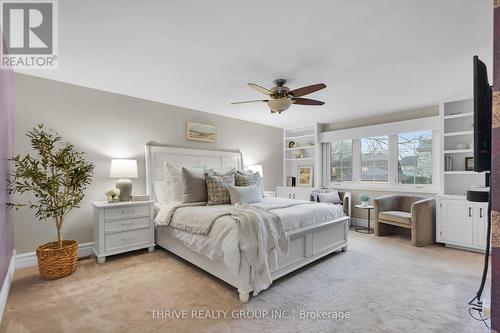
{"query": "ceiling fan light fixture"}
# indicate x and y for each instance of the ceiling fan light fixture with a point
(279, 105)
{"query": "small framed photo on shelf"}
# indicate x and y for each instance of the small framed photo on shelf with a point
(469, 164)
(305, 176)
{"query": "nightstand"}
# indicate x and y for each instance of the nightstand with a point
(122, 227)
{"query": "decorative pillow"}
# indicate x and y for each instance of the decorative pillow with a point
(247, 178)
(332, 197)
(217, 189)
(224, 172)
(194, 185)
(173, 181)
(161, 192)
(245, 194)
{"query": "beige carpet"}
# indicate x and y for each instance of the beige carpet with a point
(385, 284)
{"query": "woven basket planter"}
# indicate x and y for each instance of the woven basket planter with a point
(55, 262)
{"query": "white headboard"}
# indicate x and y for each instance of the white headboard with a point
(157, 155)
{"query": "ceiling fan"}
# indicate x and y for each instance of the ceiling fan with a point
(281, 97)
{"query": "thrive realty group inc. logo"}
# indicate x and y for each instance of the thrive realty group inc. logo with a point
(30, 34)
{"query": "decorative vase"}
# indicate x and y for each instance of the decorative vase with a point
(364, 203)
(56, 261)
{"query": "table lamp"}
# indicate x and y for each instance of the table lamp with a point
(123, 169)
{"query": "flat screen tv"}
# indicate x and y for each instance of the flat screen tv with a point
(482, 117)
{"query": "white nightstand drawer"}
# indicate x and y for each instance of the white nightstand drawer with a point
(126, 212)
(120, 225)
(126, 239)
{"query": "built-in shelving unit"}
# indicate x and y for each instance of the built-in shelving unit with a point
(305, 151)
(457, 144)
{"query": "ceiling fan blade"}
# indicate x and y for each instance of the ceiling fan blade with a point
(307, 101)
(256, 100)
(307, 90)
(263, 90)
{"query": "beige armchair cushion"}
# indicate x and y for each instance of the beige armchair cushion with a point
(395, 216)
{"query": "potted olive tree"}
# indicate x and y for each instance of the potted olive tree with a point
(56, 176)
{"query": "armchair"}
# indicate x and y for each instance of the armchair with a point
(344, 196)
(410, 212)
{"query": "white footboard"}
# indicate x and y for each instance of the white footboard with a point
(306, 245)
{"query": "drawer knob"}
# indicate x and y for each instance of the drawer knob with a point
(127, 224)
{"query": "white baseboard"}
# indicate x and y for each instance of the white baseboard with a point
(4, 292)
(29, 259)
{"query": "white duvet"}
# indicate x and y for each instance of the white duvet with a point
(222, 242)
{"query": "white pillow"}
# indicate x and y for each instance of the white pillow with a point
(244, 194)
(173, 178)
(332, 197)
(161, 192)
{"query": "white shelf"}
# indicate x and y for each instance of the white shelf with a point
(300, 159)
(459, 115)
(304, 147)
(299, 137)
(463, 172)
(459, 133)
(459, 151)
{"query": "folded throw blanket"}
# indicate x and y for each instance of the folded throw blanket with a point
(261, 233)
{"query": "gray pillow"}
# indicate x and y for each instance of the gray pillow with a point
(332, 197)
(249, 178)
(245, 194)
(217, 189)
(194, 185)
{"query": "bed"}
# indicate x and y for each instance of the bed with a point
(314, 230)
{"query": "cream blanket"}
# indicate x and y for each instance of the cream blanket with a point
(261, 234)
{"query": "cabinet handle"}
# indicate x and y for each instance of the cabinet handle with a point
(480, 212)
(294, 195)
(470, 211)
(128, 239)
(289, 195)
(127, 224)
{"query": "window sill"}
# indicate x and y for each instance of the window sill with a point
(385, 188)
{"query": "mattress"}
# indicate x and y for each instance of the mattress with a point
(221, 243)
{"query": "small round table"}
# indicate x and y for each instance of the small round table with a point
(363, 229)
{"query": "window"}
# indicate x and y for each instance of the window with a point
(415, 158)
(341, 161)
(375, 159)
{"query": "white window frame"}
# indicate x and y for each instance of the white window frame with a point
(393, 130)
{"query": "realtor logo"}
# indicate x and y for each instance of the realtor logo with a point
(30, 34)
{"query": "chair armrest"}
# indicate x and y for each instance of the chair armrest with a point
(423, 209)
(347, 203)
(384, 203)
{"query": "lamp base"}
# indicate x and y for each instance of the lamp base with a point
(125, 187)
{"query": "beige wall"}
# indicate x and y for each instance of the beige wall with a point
(106, 126)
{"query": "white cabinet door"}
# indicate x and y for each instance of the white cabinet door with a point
(457, 222)
(282, 194)
(481, 223)
(301, 195)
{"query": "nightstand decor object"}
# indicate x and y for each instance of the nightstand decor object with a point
(123, 169)
(122, 227)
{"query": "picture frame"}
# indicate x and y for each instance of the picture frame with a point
(305, 176)
(469, 164)
(201, 132)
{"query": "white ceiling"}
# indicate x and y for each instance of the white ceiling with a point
(374, 56)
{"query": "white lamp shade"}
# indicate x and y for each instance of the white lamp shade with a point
(257, 168)
(123, 169)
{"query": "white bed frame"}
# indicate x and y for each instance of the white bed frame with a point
(307, 244)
